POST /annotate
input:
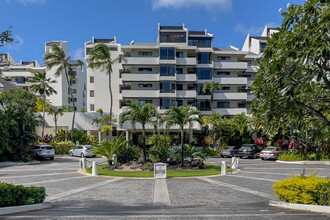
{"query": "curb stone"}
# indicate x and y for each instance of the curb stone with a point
(8, 164)
(306, 207)
(24, 208)
(305, 162)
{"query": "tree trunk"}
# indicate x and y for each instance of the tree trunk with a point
(110, 90)
(73, 104)
(55, 121)
(43, 113)
(182, 148)
(144, 145)
(214, 136)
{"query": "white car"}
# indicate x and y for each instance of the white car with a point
(82, 151)
(43, 151)
(270, 153)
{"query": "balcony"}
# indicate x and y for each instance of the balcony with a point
(145, 93)
(17, 74)
(129, 77)
(141, 61)
(230, 111)
(231, 80)
(252, 69)
(249, 98)
(230, 96)
(187, 61)
(230, 65)
(186, 94)
(186, 77)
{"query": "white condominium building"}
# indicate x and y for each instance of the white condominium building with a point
(172, 71)
(78, 85)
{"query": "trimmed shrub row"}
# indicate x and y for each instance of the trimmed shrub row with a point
(62, 147)
(12, 195)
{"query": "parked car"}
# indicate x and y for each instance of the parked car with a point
(249, 150)
(82, 151)
(270, 153)
(43, 151)
(229, 151)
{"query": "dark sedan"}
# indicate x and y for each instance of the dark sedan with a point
(249, 150)
(229, 151)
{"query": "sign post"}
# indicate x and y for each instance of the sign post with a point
(160, 170)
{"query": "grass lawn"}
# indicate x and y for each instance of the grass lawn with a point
(170, 173)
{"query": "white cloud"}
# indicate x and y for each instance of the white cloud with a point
(28, 2)
(210, 5)
(252, 29)
(78, 54)
(17, 44)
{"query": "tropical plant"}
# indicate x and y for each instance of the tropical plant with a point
(6, 37)
(41, 85)
(192, 153)
(213, 121)
(159, 154)
(104, 122)
(100, 58)
(57, 58)
(159, 140)
(240, 130)
(182, 116)
(109, 149)
(55, 113)
(133, 153)
(142, 114)
(211, 87)
(78, 136)
(106, 129)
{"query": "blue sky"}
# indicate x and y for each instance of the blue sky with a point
(38, 21)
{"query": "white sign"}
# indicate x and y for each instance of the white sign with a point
(160, 170)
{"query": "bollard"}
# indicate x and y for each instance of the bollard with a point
(224, 168)
(233, 163)
(80, 163)
(83, 163)
(94, 169)
(237, 163)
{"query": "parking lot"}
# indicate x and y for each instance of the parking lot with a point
(244, 195)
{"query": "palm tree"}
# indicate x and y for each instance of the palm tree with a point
(240, 127)
(55, 112)
(143, 114)
(57, 58)
(182, 116)
(104, 122)
(190, 150)
(211, 87)
(100, 58)
(42, 86)
(213, 120)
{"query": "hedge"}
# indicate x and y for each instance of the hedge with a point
(305, 190)
(13, 195)
(62, 147)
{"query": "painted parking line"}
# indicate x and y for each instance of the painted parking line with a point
(285, 168)
(80, 189)
(41, 169)
(47, 174)
(255, 178)
(55, 180)
(161, 197)
(280, 174)
(239, 188)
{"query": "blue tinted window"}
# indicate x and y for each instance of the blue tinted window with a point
(165, 103)
(204, 73)
(167, 70)
(204, 105)
(167, 53)
(200, 41)
(204, 58)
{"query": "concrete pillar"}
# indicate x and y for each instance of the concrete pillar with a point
(100, 136)
(83, 163)
(234, 162)
(94, 169)
(89, 132)
(127, 135)
(224, 168)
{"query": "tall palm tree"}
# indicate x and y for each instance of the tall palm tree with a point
(211, 87)
(57, 58)
(55, 112)
(100, 58)
(42, 86)
(182, 116)
(213, 121)
(143, 114)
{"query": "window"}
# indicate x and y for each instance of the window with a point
(145, 85)
(262, 47)
(91, 79)
(204, 73)
(223, 73)
(165, 103)
(91, 107)
(91, 93)
(247, 76)
(20, 80)
(223, 105)
(143, 102)
(147, 54)
(191, 87)
(249, 62)
(204, 58)
(225, 88)
(145, 69)
(179, 71)
(69, 100)
(169, 37)
(178, 103)
(192, 103)
(179, 86)
(179, 54)
(74, 90)
(200, 41)
(167, 53)
(223, 58)
(167, 70)
(74, 81)
(200, 90)
(241, 105)
(204, 105)
(166, 87)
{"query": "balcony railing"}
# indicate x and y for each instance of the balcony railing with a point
(230, 65)
(230, 80)
(186, 94)
(146, 93)
(186, 77)
(140, 77)
(187, 61)
(142, 61)
(230, 96)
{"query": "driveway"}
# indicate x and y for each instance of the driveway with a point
(236, 196)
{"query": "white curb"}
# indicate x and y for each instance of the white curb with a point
(305, 162)
(24, 208)
(312, 208)
(8, 164)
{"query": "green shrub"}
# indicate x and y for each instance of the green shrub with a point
(304, 190)
(12, 195)
(133, 153)
(62, 147)
(291, 156)
(209, 152)
(159, 154)
(148, 164)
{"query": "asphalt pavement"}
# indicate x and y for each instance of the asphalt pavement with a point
(244, 195)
